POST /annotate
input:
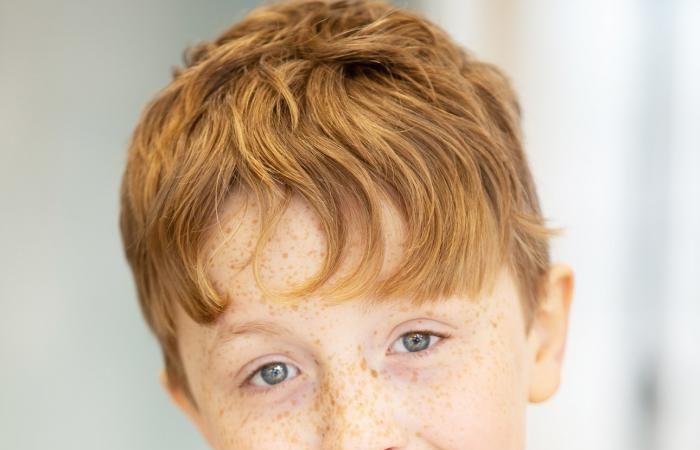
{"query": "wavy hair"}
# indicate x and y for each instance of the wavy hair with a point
(344, 103)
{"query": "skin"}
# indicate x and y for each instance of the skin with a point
(352, 383)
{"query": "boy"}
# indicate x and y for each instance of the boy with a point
(336, 239)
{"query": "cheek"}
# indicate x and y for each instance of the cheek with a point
(474, 400)
(283, 425)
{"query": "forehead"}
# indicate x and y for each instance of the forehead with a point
(294, 252)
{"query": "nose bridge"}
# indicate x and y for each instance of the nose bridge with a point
(355, 409)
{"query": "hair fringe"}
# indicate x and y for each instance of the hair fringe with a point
(346, 104)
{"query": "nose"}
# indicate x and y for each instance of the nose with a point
(357, 411)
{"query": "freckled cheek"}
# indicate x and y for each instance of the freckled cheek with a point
(271, 427)
(260, 422)
(485, 410)
(457, 402)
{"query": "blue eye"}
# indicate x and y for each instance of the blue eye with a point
(273, 373)
(417, 341)
(266, 378)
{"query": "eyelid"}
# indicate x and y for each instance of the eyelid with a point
(441, 336)
(249, 388)
(293, 375)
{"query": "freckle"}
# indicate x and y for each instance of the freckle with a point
(374, 373)
(284, 255)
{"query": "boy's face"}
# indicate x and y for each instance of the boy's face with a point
(345, 377)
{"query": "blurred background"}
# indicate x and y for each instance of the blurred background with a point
(610, 95)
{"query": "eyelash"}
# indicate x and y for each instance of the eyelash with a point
(429, 350)
(249, 389)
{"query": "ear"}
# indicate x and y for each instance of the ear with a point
(547, 337)
(178, 396)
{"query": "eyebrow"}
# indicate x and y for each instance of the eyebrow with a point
(230, 332)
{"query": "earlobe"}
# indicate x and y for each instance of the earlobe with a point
(547, 339)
